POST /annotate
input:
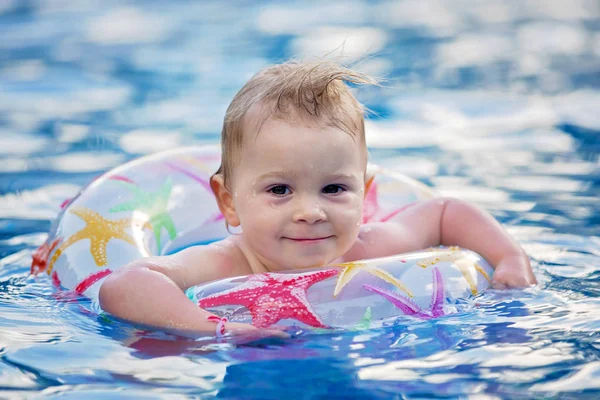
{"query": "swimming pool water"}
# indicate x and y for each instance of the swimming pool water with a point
(493, 102)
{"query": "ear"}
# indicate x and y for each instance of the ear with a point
(224, 200)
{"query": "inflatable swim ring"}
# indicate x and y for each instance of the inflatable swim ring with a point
(162, 203)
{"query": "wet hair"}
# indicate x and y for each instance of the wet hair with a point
(316, 91)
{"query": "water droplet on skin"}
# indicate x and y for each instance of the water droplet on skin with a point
(235, 194)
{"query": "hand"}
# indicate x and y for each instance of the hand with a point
(247, 332)
(513, 272)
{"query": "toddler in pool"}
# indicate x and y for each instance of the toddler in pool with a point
(293, 176)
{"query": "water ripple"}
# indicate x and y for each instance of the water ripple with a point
(479, 99)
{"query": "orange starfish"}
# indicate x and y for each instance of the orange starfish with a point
(453, 255)
(99, 231)
(350, 270)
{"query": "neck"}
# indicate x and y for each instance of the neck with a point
(257, 266)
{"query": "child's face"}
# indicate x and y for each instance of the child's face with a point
(298, 192)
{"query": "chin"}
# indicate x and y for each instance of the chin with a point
(305, 261)
(312, 263)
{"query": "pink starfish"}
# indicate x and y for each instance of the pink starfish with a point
(68, 201)
(371, 205)
(408, 307)
(272, 297)
(191, 175)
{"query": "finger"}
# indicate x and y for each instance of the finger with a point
(532, 279)
(277, 333)
(499, 285)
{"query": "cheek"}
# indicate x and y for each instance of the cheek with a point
(350, 213)
(255, 210)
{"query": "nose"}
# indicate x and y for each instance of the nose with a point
(309, 211)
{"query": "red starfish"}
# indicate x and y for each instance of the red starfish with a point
(272, 297)
(39, 258)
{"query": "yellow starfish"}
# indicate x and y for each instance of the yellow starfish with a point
(482, 272)
(350, 269)
(99, 231)
(463, 263)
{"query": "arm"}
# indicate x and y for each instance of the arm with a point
(473, 228)
(150, 291)
(141, 292)
(451, 222)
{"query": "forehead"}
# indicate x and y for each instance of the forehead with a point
(262, 113)
(301, 147)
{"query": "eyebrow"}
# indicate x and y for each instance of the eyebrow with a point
(277, 174)
(289, 175)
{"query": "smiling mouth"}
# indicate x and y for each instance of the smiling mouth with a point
(309, 240)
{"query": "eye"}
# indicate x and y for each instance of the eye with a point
(333, 189)
(280, 190)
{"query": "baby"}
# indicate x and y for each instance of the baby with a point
(293, 177)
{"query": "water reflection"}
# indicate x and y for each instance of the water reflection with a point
(494, 102)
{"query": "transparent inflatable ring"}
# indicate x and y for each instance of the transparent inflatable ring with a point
(150, 206)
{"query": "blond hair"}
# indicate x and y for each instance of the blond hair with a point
(316, 90)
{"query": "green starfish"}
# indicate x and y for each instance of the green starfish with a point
(154, 204)
(365, 322)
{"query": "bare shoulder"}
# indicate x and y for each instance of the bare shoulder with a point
(415, 228)
(378, 239)
(200, 264)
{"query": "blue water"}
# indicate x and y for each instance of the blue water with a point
(493, 102)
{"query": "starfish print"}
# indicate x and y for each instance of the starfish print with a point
(350, 269)
(70, 296)
(408, 307)
(99, 231)
(197, 163)
(154, 204)
(205, 183)
(371, 205)
(120, 178)
(365, 322)
(86, 283)
(39, 258)
(463, 263)
(68, 201)
(272, 297)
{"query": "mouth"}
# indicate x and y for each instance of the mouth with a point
(308, 239)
